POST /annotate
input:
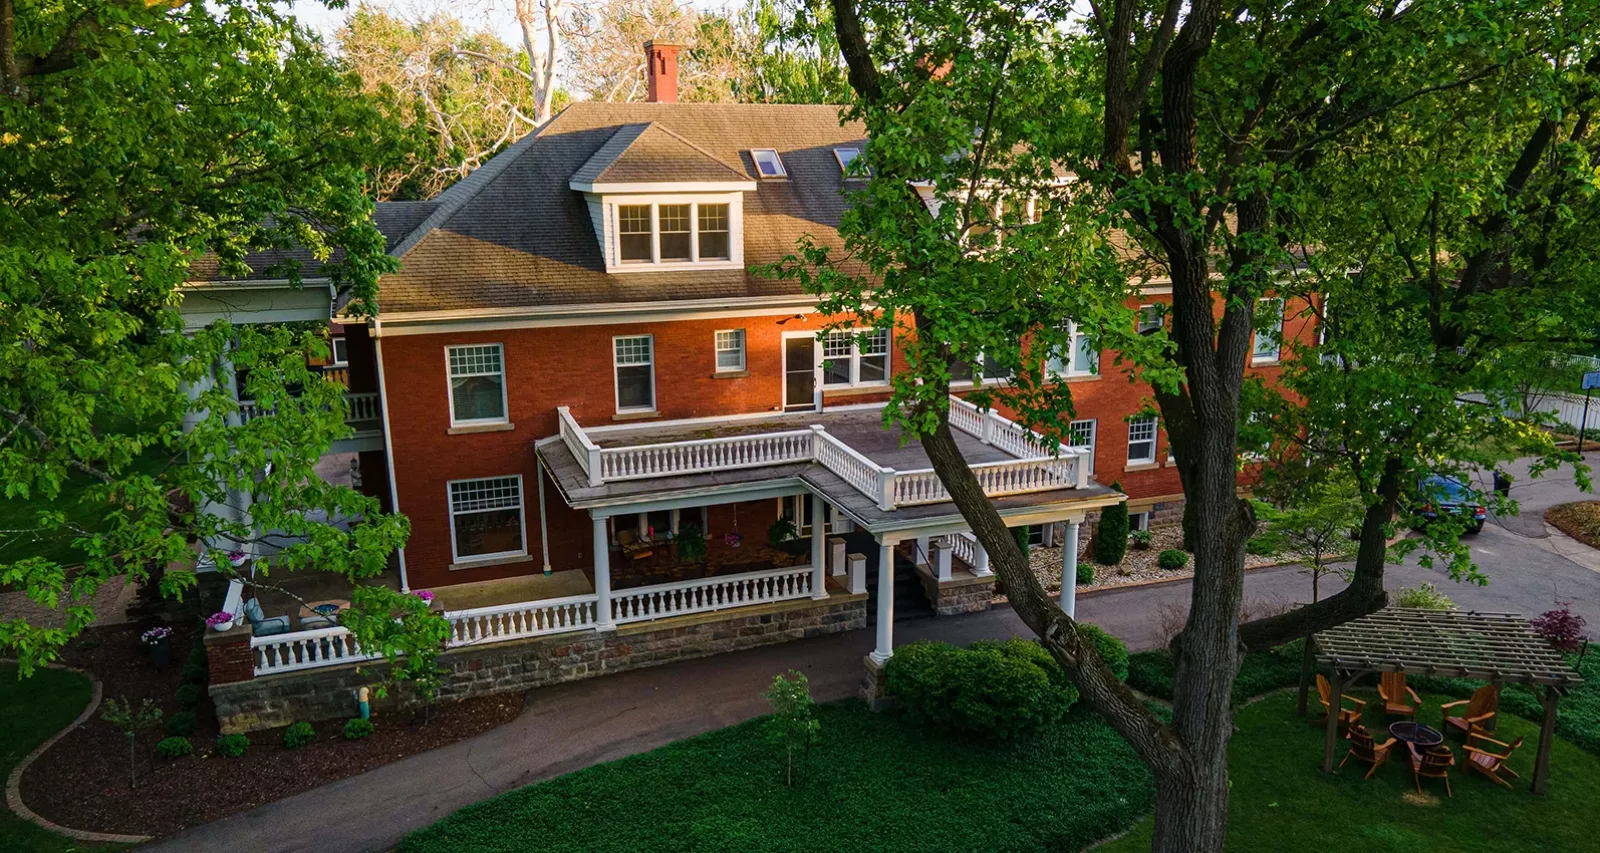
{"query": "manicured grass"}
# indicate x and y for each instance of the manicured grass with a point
(74, 502)
(1281, 800)
(1577, 717)
(32, 711)
(876, 783)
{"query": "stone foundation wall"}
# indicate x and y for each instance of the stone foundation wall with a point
(322, 694)
(963, 593)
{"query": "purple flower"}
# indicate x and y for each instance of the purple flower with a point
(221, 617)
(424, 594)
(155, 634)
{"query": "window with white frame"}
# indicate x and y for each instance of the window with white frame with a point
(849, 358)
(989, 369)
(1080, 434)
(341, 352)
(1139, 521)
(477, 384)
(486, 518)
(1150, 317)
(678, 233)
(730, 350)
(1269, 330)
(1142, 440)
(847, 156)
(1081, 359)
(768, 163)
(634, 361)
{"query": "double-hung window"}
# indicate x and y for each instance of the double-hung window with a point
(675, 232)
(1082, 357)
(1149, 318)
(634, 238)
(679, 233)
(850, 359)
(992, 370)
(730, 350)
(1269, 331)
(486, 518)
(1142, 440)
(713, 233)
(1081, 435)
(477, 384)
(634, 362)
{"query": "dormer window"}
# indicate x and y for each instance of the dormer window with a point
(768, 163)
(675, 232)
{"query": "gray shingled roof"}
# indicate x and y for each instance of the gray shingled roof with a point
(649, 153)
(395, 219)
(514, 234)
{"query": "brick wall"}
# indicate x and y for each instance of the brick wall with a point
(326, 694)
(228, 655)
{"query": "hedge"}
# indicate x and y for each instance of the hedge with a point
(1260, 672)
(996, 689)
(1112, 649)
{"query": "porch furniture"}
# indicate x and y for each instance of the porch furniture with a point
(1415, 735)
(328, 609)
(1487, 761)
(1433, 764)
(312, 623)
(260, 625)
(1347, 716)
(1475, 712)
(1497, 647)
(1362, 748)
(1393, 691)
(633, 547)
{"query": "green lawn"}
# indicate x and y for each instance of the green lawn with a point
(1282, 801)
(876, 783)
(74, 502)
(33, 710)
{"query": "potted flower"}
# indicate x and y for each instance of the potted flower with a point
(222, 620)
(236, 557)
(731, 540)
(1140, 539)
(159, 642)
(426, 595)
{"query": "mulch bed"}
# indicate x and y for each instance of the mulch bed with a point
(1580, 520)
(82, 781)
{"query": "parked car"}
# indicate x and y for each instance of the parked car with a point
(1441, 494)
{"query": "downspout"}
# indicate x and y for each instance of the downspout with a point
(388, 440)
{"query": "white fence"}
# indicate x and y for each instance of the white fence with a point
(706, 594)
(997, 478)
(523, 619)
(710, 454)
(306, 650)
(1564, 409)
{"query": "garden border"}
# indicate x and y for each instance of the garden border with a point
(14, 782)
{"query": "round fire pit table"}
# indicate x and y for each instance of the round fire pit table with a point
(1416, 735)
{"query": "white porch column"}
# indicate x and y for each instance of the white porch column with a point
(602, 575)
(819, 561)
(836, 555)
(1069, 570)
(885, 645)
(980, 555)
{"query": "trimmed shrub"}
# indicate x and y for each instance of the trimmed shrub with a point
(1085, 573)
(357, 728)
(995, 689)
(1262, 546)
(174, 747)
(1021, 535)
(193, 674)
(1110, 648)
(1425, 596)
(1140, 540)
(181, 724)
(232, 746)
(189, 695)
(1111, 533)
(1260, 672)
(1172, 559)
(298, 735)
(197, 655)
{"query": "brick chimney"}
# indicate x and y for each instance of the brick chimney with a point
(661, 71)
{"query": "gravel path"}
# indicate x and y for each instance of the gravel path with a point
(1136, 566)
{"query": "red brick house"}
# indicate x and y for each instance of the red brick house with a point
(598, 419)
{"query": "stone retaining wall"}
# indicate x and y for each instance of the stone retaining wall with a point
(322, 694)
(963, 593)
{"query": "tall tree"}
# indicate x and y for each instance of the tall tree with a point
(793, 55)
(137, 140)
(1193, 131)
(541, 23)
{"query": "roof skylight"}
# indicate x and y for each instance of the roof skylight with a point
(846, 156)
(768, 163)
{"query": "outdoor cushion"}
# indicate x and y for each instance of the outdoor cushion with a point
(268, 627)
(252, 611)
(311, 623)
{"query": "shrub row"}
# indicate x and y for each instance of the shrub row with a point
(1260, 672)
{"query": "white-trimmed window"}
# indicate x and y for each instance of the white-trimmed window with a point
(477, 384)
(1081, 359)
(682, 232)
(1142, 440)
(486, 519)
(849, 361)
(635, 243)
(730, 350)
(768, 163)
(1150, 317)
(633, 359)
(1081, 434)
(674, 235)
(846, 156)
(962, 372)
(712, 232)
(341, 352)
(1269, 331)
(1139, 520)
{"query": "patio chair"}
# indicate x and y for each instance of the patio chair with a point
(260, 625)
(1488, 762)
(632, 546)
(1478, 710)
(1347, 716)
(1362, 748)
(1433, 764)
(1393, 691)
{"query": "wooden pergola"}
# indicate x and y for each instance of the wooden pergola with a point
(1500, 648)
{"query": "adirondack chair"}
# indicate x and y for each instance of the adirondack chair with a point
(1433, 764)
(1393, 691)
(1489, 762)
(1480, 709)
(1347, 716)
(632, 546)
(1362, 748)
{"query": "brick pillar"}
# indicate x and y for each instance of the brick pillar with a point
(229, 656)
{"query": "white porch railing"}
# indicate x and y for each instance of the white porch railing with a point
(1001, 432)
(578, 444)
(706, 594)
(306, 650)
(997, 478)
(710, 454)
(523, 619)
(964, 547)
(364, 407)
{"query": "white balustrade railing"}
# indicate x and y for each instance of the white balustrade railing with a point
(306, 650)
(1002, 432)
(964, 547)
(868, 477)
(997, 478)
(710, 454)
(966, 417)
(363, 407)
(523, 619)
(706, 594)
(578, 444)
